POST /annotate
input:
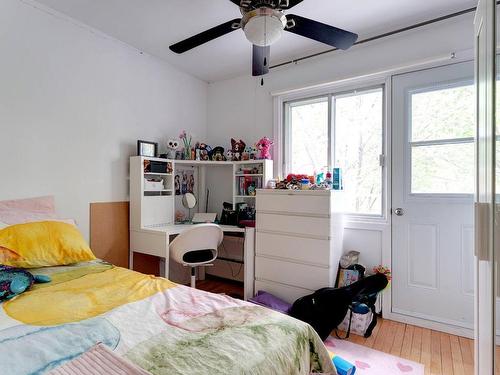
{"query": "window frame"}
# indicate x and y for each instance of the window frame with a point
(331, 92)
(459, 197)
(288, 105)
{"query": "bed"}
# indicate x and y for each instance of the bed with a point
(162, 327)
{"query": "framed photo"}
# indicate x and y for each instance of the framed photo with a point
(145, 148)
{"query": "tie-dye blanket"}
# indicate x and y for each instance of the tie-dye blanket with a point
(160, 326)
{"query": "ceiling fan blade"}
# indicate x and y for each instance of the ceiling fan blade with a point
(289, 4)
(206, 36)
(320, 32)
(260, 60)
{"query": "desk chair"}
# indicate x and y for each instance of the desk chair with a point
(196, 246)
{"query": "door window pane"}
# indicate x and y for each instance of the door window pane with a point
(358, 146)
(308, 132)
(443, 114)
(443, 169)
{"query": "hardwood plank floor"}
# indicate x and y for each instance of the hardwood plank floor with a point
(217, 285)
(440, 353)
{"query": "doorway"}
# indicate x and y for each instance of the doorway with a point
(433, 130)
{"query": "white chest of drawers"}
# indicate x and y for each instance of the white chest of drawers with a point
(298, 242)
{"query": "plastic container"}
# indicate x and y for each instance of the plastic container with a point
(304, 184)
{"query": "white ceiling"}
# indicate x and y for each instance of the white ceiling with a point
(153, 25)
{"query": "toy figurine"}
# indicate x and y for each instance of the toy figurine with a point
(237, 147)
(253, 153)
(246, 155)
(251, 190)
(14, 281)
(172, 146)
(205, 151)
(218, 154)
(264, 145)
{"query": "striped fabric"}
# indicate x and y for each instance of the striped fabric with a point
(99, 360)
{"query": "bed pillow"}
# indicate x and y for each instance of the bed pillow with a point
(67, 221)
(41, 244)
(26, 210)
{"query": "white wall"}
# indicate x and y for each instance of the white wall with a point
(242, 108)
(73, 102)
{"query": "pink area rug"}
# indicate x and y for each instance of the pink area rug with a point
(372, 362)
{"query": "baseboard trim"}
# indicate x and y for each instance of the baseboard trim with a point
(436, 326)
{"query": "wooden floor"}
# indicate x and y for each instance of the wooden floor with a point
(216, 285)
(439, 352)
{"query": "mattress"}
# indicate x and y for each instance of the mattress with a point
(162, 327)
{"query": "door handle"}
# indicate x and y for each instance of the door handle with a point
(482, 219)
(399, 211)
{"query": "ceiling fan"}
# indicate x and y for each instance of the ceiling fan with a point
(263, 22)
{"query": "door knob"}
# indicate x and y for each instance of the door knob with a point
(399, 211)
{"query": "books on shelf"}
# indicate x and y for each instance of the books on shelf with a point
(248, 184)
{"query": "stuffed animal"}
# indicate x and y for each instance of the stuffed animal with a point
(246, 153)
(237, 147)
(218, 154)
(264, 145)
(229, 155)
(172, 146)
(14, 281)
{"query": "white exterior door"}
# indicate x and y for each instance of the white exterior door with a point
(433, 128)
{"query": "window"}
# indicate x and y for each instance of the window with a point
(340, 130)
(442, 140)
(308, 135)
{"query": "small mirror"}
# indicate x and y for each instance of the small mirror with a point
(189, 200)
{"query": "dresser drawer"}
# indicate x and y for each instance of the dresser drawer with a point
(300, 249)
(285, 292)
(294, 203)
(293, 274)
(298, 225)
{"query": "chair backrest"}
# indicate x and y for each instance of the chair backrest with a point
(199, 237)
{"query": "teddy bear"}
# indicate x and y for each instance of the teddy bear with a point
(237, 147)
(264, 145)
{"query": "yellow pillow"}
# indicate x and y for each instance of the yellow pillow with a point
(43, 243)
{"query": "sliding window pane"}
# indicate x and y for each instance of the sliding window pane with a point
(358, 146)
(308, 132)
(443, 114)
(443, 169)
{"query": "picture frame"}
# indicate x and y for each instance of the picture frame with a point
(147, 148)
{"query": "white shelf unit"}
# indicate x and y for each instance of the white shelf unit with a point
(247, 173)
(150, 207)
(298, 242)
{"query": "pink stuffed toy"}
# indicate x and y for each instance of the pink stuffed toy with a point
(264, 145)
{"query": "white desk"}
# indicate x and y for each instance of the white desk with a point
(156, 240)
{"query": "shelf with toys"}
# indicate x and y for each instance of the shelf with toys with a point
(157, 190)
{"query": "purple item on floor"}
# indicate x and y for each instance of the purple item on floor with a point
(268, 300)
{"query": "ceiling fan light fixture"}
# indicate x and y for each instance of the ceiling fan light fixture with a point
(264, 26)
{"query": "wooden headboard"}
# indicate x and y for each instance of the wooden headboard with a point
(109, 237)
(109, 231)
